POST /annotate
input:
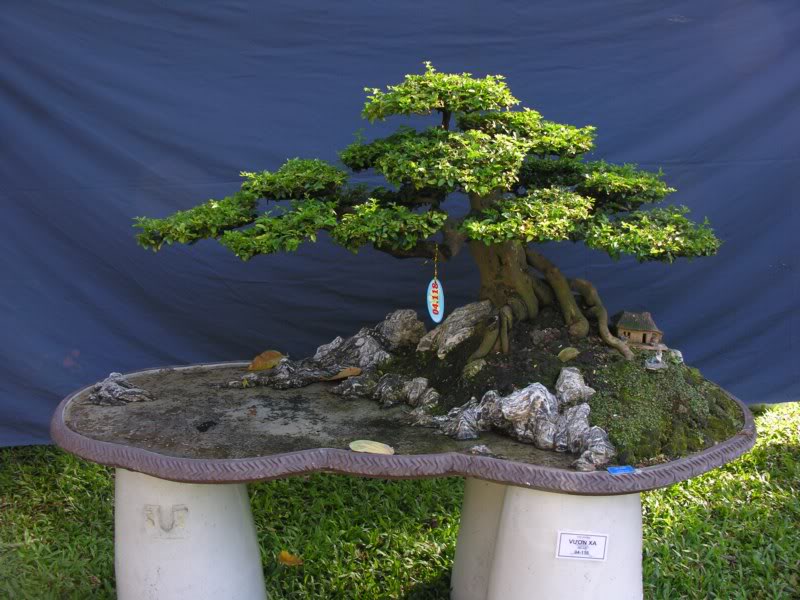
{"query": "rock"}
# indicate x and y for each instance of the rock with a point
(366, 351)
(568, 354)
(677, 356)
(463, 424)
(519, 413)
(391, 389)
(571, 428)
(401, 329)
(656, 363)
(429, 398)
(482, 450)
(584, 464)
(544, 436)
(459, 326)
(362, 350)
(115, 390)
(597, 448)
(414, 390)
(473, 368)
(542, 336)
(571, 387)
(363, 386)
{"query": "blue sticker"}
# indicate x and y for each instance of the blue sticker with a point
(622, 469)
(435, 298)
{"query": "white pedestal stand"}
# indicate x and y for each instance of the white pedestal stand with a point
(518, 560)
(183, 541)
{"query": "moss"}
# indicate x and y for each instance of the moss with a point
(671, 412)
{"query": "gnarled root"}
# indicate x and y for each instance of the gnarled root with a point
(577, 323)
(589, 294)
(489, 340)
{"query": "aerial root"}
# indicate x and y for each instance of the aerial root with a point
(589, 294)
(576, 322)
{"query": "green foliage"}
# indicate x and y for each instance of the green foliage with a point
(558, 139)
(549, 214)
(659, 234)
(525, 123)
(389, 226)
(444, 92)
(547, 138)
(473, 161)
(207, 220)
(359, 156)
(539, 172)
(283, 232)
(620, 188)
(296, 179)
(494, 152)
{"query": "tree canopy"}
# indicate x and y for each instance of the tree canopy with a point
(527, 180)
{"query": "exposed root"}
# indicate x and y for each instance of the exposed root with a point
(522, 282)
(518, 308)
(544, 293)
(596, 308)
(576, 322)
(490, 337)
(506, 323)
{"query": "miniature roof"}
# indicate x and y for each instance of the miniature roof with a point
(636, 321)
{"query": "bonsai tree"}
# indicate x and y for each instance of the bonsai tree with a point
(525, 178)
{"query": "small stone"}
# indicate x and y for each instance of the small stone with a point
(414, 390)
(481, 450)
(571, 387)
(464, 424)
(677, 356)
(584, 464)
(391, 389)
(656, 362)
(401, 329)
(473, 368)
(459, 326)
(597, 447)
(568, 354)
(544, 438)
(363, 386)
(115, 390)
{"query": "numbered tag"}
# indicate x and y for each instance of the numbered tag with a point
(435, 300)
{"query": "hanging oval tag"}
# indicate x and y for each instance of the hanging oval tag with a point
(435, 299)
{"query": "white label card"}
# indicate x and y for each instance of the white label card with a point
(582, 545)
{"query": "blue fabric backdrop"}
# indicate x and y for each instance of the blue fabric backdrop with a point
(116, 109)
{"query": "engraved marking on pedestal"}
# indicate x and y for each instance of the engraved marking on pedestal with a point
(166, 523)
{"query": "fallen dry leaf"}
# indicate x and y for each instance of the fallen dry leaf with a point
(289, 559)
(265, 360)
(370, 447)
(344, 374)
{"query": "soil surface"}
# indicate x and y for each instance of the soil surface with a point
(193, 417)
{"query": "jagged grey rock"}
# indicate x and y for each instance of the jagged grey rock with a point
(415, 389)
(571, 428)
(481, 450)
(463, 422)
(544, 435)
(361, 386)
(459, 326)
(597, 448)
(115, 390)
(366, 350)
(391, 389)
(571, 387)
(401, 329)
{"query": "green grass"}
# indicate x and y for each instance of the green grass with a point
(733, 533)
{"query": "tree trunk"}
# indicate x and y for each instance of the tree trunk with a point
(504, 277)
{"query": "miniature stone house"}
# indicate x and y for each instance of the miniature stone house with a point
(638, 328)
